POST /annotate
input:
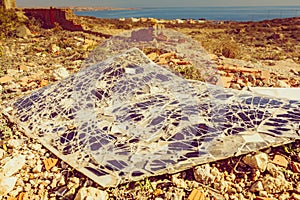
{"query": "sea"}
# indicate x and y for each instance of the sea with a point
(208, 13)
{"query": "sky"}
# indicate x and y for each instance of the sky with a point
(155, 3)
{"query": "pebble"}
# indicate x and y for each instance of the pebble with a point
(73, 182)
(90, 193)
(13, 165)
(202, 174)
(60, 73)
(37, 168)
(284, 196)
(296, 196)
(257, 186)
(282, 84)
(15, 143)
(257, 161)
(54, 48)
(273, 170)
(179, 182)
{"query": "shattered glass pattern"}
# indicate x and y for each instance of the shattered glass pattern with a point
(126, 118)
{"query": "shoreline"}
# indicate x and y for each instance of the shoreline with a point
(245, 54)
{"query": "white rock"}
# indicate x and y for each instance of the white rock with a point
(60, 73)
(282, 84)
(258, 161)
(274, 170)
(7, 184)
(257, 186)
(23, 32)
(15, 143)
(203, 175)
(37, 169)
(36, 147)
(73, 182)
(14, 165)
(90, 193)
(54, 48)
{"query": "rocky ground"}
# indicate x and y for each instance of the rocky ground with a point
(245, 54)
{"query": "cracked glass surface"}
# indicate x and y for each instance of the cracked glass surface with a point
(123, 117)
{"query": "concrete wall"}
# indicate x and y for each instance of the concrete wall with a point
(51, 16)
(8, 4)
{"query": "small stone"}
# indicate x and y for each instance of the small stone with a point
(153, 56)
(54, 48)
(257, 186)
(60, 73)
(91, 193)
(257, 161)
(236, 86)
(263, 193)
(7, 184)
(295, 167)
(44, 83)
(296, 196)
(36, 147)
(54, 169)
(15, 143)
(202, 174)
(62, 181)
(281, 161)
(37, 168)
(282, 84)
(273, 170)
(73, 183)
(196, 195)
(179, 182)
(54, 183)
(222, 186)
(6, 79)
(23, 68)
(49, 163)
(239, 189)
(13, 165)
(284, 196)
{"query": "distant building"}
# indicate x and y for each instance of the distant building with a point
(8, 4)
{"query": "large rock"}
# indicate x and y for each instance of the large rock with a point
(7, 184)
(13, 165)
(203, 174)
(90, 193)
(23, 32)
(258, 161)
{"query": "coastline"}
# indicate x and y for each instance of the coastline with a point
(244, 13)
(264, 53)
(81, 8)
